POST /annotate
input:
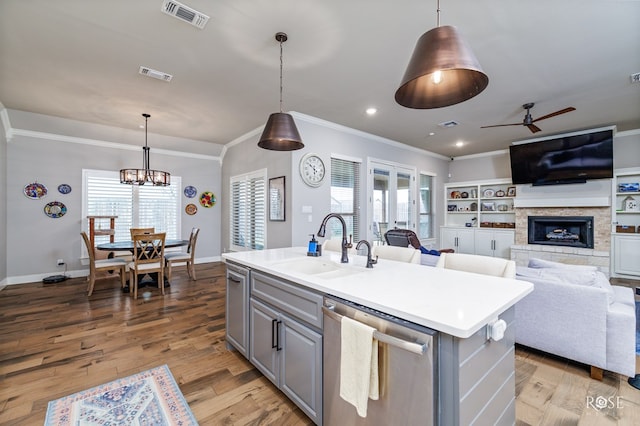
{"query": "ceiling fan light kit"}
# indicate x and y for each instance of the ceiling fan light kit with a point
(443, 71)
(144, 175)
(280, 133)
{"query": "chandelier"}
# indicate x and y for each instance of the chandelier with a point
(144, 175)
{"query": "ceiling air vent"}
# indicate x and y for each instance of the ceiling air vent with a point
(155, 74)
(184, 13)
(447, 124)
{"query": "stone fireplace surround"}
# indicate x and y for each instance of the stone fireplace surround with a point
(599, 256)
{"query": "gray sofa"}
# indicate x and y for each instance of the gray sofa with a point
(574, 312)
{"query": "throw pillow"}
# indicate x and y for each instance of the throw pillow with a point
(540, 263)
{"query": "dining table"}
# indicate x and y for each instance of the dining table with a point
(128, 246)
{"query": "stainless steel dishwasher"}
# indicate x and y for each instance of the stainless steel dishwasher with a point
(407, 369)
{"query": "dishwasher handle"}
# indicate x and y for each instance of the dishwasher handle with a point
(416, 348)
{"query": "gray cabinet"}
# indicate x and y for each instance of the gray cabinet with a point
(237, 308)
(286, 339)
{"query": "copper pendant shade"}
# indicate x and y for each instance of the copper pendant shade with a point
(280, 133)
(443, 71)
(144, 175)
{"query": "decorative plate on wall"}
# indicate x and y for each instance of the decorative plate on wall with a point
(35, 190)
(64, 188)
(190, 191)
(207, 199)
(191, 209)
(55, 209)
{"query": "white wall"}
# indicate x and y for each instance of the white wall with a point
(323, 138)
(34, 241)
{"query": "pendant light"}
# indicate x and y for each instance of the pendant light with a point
(442, 71)
(142, 176)
(280, 133)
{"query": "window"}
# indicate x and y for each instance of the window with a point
(136, 206)
(248, 211)
(345, 197)
(425, 226)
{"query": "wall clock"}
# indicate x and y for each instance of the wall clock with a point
(312, 170)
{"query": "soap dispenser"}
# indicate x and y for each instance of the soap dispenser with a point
(313, 246)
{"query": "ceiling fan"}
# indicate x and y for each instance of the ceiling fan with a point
(528, 120)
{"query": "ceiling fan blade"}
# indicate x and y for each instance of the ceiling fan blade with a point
(534, 128)
(502, 125)
(553, 114)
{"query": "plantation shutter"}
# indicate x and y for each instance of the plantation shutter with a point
(248, 211)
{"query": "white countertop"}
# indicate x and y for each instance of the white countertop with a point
(453, 302)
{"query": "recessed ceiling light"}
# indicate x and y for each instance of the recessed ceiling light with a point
(459, 144)
(371, 111)
(432, 133)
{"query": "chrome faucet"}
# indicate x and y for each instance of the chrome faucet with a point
(370, 261)
(345, 244)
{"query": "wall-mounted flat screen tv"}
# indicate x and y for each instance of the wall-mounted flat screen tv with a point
(567, 159)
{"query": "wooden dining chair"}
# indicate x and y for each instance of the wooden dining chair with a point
(148, 257)
(134, 231)
(182, 257)
(102, 265)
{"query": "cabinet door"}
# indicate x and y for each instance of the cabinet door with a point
(502, 242)
(626, 256)
(263, 347)
(466, 243)
(301, 367)
(484, 242)
(237, 304)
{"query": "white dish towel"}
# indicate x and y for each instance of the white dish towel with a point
(358, 364)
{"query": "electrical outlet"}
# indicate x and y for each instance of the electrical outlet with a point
(60, 262)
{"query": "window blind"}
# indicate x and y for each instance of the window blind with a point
(248, 211)
(135, 206)
(345, 197)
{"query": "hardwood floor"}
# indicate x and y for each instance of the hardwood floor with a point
(55, 341)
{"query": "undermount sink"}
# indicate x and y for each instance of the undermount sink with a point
(318, 267)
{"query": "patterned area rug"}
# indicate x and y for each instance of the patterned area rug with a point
(148, 398)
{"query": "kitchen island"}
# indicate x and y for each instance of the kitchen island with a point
(284, 284)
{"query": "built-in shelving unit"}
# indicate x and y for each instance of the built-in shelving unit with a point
(625, 214)
(473, 205)
(480, 204)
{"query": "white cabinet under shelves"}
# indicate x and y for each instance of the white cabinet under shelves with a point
(626, 259)
(494, 242)
(459, 239)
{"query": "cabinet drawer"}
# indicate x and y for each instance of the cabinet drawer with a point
(288, 297)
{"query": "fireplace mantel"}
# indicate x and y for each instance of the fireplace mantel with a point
(562, 202)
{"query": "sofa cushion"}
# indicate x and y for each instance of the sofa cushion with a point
(569, 276)
(541, 263)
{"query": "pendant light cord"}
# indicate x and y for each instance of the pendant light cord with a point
(280, 75)
(438, 14)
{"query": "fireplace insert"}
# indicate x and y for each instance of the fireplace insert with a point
(571, 231)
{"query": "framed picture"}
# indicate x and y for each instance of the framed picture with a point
(511, 191)
(488, 207)
(277, 197)
(452, 208)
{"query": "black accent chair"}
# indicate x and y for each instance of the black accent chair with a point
(406, 238)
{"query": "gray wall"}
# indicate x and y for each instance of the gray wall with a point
(39, 151)
(324, 139)
(3, 199)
